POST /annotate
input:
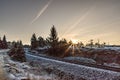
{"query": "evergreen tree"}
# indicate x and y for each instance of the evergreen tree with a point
(70, 42)
(14, 44)
(41, 41)
(91, 43)
(5, 46)
(80, 45)
(63, 41)
(63, 48)
(34, 42)
(0, 43)
(21, 44)
(97, 44)
(53, 41)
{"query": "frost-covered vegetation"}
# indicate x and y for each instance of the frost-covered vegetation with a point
(17, 52)
(101, 55)
(15, 70)
(98, 51)
(81, 59)
(68, 71)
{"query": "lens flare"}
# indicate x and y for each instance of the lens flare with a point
(74, 41)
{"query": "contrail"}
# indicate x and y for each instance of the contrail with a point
(42, 11)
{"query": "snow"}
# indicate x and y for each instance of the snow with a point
(113, 48)
(43, 48)
(17, 71)
(81, 59)
(85, 72)
(3, 50)
(103, 48)
(112, 65)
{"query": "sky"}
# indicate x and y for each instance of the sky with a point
(80, 20)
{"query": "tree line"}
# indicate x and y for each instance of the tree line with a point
(58, 47)
(55, 46)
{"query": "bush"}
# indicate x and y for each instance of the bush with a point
(17, 53)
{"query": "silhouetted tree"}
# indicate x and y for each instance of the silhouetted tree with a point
(80, 45)
(1, 43)
(63, 48)
(70, 42)
(41, 41)
(63, 41)
(97, 44)
(21, 44)
(53, 42)
(91, 44)
(104, 44)
(34, 42)
(5, 46)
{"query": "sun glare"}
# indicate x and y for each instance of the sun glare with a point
(74, 41)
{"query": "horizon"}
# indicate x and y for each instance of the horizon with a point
(78, 20)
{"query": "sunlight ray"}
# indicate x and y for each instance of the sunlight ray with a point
(77, 48)
(73, 50)
(79, 20)
(68, 49)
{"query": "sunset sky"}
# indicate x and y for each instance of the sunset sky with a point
(80, 20)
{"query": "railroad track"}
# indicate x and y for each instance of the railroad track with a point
(79, 63)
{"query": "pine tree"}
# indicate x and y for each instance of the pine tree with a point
(34, 42)
(21, 44)
(0, 43)
(91, 43)
(80, 45)
(63, 41)
(53, 41)
(5, 46)
(41, 41)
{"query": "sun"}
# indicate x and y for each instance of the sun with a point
(74, 41)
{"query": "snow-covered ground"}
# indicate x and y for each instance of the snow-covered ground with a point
(107, 48)
(79, 71)
(18, 71)
(112, 65)
(81, 59)
(112, 48)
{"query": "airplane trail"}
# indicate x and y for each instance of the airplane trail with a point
(42, 11)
